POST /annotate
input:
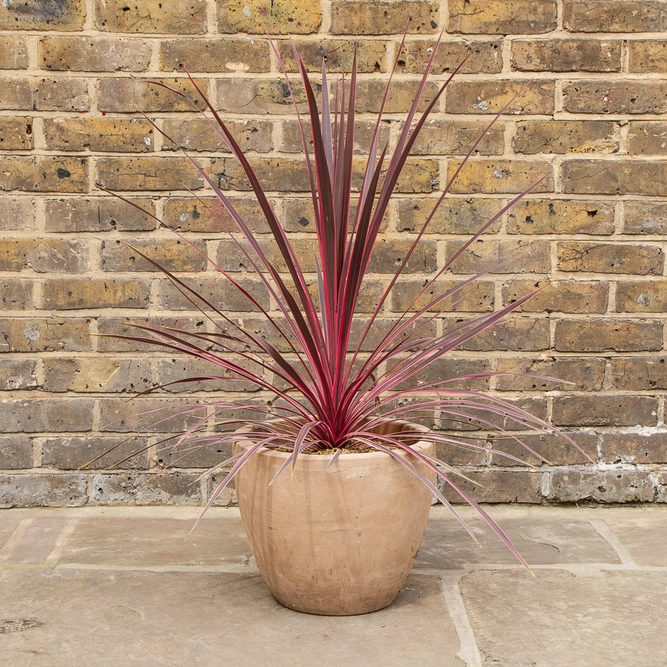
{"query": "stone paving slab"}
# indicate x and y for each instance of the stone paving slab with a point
(644, 538)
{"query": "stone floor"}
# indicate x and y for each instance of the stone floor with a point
(121, 586)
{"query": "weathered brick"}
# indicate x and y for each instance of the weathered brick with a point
(185, 18)
(500, 176)
(585, 374)
(614, 16)
(638, 373)
(496, 486)
(647, 56)
(231, 258)
(485, 57)
(645, 218)
(17, 213)
(553, 447)
(610, 258)
(641, 296)
(125, 95)
(402, 95)
(198, 135)
(44, 490)
(226, 54)
(363, 136)
(452, 137)
(275, 174)
(61, 95)
(98, 374)
(634, 448)
(148, 173)
(567, 55)
(63, 15)
(18, 374)
(74, 453)
(647, 138)
(486, 255)
(15, 452)
(489, 97)
(94, 54)
(279, 17)
(171, 254)
(16, 94)
(46, 415)
(134, 488)
(95, 293)
(45, 335)
(377, 17)
(601, 486)
(336, 53)
(607, 335)
(556, 216)
(559, 297)
(98, 215)
(614, 177)
(622, 97)
(259, 96)
(417, 176)
(15, 133)
(521, 334)
(13, 52)
(600, 410)
(568, 136)
(454, 371)
(43, 255)
(217, 291)
(207, 455)
(388, 255)
(454, 216)
(44, 173)
(470, 418)
(501, 18)
(208, 215)
(16, 294)
(175, 370)
(152, 415)
(116, 326)
(98, 134)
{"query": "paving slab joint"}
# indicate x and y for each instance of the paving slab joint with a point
(469, 651)
(608, 534)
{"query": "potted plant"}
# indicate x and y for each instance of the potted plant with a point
(334, 478)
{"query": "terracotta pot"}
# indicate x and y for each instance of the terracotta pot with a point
(336, 542)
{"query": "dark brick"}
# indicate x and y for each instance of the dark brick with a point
(551, 446)
(610, 258)
(148, 173)
(497, 486)
(46, 415)
(114, 326)
(45, 490)
(607, 335)
(16, 293)
(475, 297)
(43, 255)
(43, 173)
(596, 410)
(126, 95)
(634, 448)
(521, 334)
(17, 374)
(15, 452)
(135, 488)
(151, 415)
(98, 374)
(638, 373)
(614, 177)
(74, 453)
(456, 215)
(602, 486)
(643, 217)
(647, 138)
(486, 255)
(177, 369)
(337, 53)
(172, 255)
(198, 135)
(39, 15)
(581, 374)
(216, 290)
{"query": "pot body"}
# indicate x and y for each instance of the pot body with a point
(340, 541)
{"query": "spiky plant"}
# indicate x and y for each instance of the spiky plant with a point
(328, 395)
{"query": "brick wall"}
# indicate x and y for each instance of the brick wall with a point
(594, 122)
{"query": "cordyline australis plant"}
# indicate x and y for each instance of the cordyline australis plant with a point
(328, 396)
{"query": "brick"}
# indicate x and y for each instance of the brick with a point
(230, 257)
(259, 96)
(61, 95)
(600, 410)
(569, 136)
(502, 18)
(172, 255)
(98, 215)
(15, 133)
(43, 255)
(623, 97)
(45, 335)
(44, 173)
(637, 373)
(98, 374)
(65, 15)
(447, 137)
(374, 17)
(280, 17)
(16, 294)
(601, 486)
(73, 453)
(610, 258)
(645, 218)
(94, 54)
(388, 255)
(614, 177)
(125, 95)
(151, 16)
(614, 16)
(417, 176)
(363, 136)
(116, 326)
(521, 334)
(208, 215)
(454, 216)
(500, 176)
(44, 490)
(15, 452)
(607, 335)
(217, 291)
(46, 415)
(208, 455)
(556, 216)
(148, 173)
(450, 369)
(174, 370)
(336, 53)
(584, 374)
(537, 407)
(98, 134)
(78, 293)
(13, 52)
(486, 255)
(151, 415)
(647, 138)
(567, 55)
(485, 57)
(641, 296)
(647, 56)
(134, 488)
(226, 54)
(400, 100)
(554, 447)
(496, 486)
(16, 94)
(559, 297)
(17, 374)
(275, 174)
(198, 135)
(489, 97)
(17, 213)
(634, 448)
